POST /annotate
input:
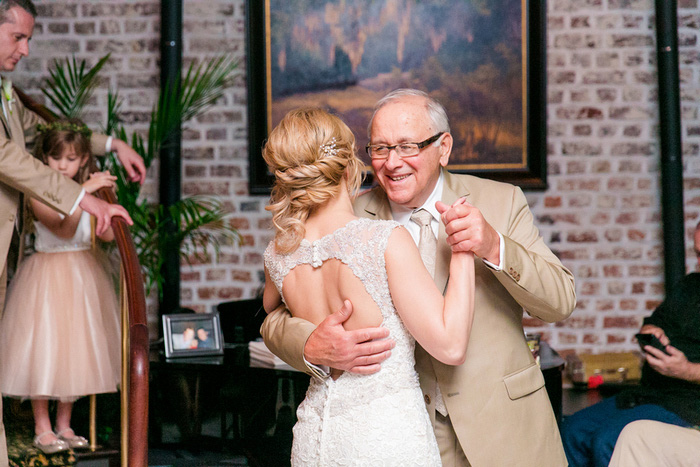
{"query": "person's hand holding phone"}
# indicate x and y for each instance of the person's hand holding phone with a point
(657, 331)
(672, 363)
(650, 340)
(666, 360)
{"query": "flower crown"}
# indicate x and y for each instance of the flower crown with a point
(59, 125)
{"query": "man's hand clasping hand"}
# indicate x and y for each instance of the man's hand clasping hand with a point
(360, 351)
(467, 230)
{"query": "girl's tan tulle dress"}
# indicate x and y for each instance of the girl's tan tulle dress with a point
(59, 335)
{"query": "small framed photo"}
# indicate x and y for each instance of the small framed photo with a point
(192, 335)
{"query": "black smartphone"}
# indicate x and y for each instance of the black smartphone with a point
(650, 339)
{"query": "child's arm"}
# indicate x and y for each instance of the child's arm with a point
(65, 227)
(271, 296)
(61, 226)
(101, 180)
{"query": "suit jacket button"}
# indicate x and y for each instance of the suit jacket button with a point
(12, 217)
(427, 399)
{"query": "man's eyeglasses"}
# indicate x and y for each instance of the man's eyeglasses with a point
(380, 151)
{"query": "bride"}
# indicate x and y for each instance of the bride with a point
(322, 255)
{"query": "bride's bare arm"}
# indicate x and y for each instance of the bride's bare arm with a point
(441, 325)
(271, 296)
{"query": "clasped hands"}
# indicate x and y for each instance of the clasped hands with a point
(362, 351)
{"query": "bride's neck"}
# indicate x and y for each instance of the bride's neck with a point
(337, 210)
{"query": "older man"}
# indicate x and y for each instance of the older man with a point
(493, 409)
(20, 172)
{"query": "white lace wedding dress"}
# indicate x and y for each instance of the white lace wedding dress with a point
(361, 420)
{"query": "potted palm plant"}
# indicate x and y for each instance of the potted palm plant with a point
(200, 221)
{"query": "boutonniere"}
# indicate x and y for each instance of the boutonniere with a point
(7, 91)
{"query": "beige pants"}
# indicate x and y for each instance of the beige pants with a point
(451, 452)
(650, 443)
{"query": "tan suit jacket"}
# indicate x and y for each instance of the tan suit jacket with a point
(20, 172)
(496, 400)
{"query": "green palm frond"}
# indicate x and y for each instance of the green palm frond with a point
(181, 102)
(204, 85)
(201, 224)
(71, 85)
(114, 106)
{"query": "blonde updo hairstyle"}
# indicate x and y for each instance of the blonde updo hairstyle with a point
(309, 153)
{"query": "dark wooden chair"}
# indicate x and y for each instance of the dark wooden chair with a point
(241, 320)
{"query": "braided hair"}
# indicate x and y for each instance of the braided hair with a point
(309, 152)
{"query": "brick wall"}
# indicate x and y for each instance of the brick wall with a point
(602, 210)
(601, 213)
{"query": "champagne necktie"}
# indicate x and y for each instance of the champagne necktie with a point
(427, 243)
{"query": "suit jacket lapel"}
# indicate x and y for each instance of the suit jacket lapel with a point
(374, 205)
(5, 124)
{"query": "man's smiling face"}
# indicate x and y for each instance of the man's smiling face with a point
(409, 181)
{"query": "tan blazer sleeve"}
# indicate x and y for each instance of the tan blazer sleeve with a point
(531, 272)
(24, 173)
(286, 337)
(98, 144)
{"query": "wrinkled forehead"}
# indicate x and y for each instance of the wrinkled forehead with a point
(405, 117)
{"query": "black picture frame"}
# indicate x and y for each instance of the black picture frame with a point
(179, 344)
(528, 170)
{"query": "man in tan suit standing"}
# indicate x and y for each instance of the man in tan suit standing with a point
(493, 410)
(20, 172)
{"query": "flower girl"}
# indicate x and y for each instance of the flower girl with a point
(60, 336)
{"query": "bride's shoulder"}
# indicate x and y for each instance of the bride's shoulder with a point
(366, 223)
(374, 228)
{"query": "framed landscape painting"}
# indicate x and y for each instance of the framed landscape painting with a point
(483, 60)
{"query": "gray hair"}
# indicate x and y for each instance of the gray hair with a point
(436, 112)
(6, 5)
